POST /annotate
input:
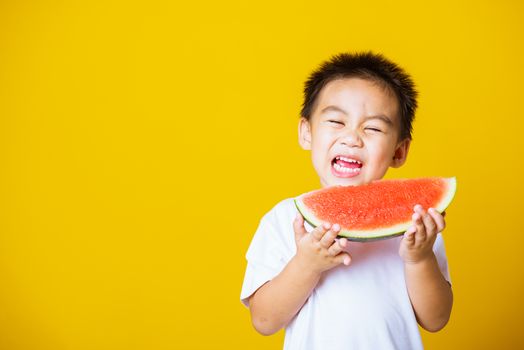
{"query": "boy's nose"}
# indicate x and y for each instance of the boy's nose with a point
(352, 139)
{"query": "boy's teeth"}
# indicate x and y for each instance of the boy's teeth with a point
(349, 160)
(346, 170)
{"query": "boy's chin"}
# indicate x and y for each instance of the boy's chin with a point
(341, 181)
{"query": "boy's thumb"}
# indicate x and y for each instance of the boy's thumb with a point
(298, 226)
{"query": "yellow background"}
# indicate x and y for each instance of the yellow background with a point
(141, 142)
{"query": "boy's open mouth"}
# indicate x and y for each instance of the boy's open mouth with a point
(342, 166)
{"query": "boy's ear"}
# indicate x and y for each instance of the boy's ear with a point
(401, 153)
(304, 133)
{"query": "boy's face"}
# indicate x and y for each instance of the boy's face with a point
(353, 133)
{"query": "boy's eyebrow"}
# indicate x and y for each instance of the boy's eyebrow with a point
(382, 117)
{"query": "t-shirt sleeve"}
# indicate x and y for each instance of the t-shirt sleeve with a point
(440, 254)
(265, 257)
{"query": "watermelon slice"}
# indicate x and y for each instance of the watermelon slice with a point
(377, 210)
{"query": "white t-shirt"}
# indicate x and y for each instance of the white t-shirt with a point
(361, 306)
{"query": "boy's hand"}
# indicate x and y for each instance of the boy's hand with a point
(417, 244)
(318, 250)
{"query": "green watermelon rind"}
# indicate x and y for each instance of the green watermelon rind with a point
(377, 234)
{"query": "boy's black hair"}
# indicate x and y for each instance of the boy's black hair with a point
(370, 66)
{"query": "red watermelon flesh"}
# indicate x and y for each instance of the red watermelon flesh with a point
(380, 209)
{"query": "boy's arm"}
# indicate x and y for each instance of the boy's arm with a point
(429, 292)
(274, 304)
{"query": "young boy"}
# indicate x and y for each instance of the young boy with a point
(327, 292)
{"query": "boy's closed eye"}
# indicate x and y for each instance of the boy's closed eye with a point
(338, 122)
(373, 129)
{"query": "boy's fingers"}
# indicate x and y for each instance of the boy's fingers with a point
(327, 240)
(430, 225)
(298, 226)
(418, 209)
(343, 242)
(320, 230)
(334, 249)
(439, 219)
(409, 236)
(420, 235)
(344, 258)
(337, 247)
